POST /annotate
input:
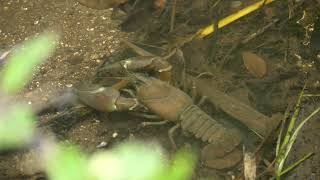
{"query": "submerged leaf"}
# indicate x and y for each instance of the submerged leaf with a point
(254, 64)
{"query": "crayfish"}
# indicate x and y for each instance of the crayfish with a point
(169, 103)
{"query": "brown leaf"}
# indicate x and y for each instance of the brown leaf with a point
(254, 64)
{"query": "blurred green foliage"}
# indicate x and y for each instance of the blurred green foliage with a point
(65, 162)
(16, 121)
(141, 161)
(16, 127)
(182, 166)
(21, 64)
(127, 161)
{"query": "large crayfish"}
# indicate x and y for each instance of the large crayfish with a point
(171, 104)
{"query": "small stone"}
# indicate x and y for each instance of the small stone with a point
(90, 29)
(102, 144)
(115, 134)
(69, 85)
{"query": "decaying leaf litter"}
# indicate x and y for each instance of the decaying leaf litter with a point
(245, 92)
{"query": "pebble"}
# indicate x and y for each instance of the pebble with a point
(115, 134)
(102, 144)
(69, 85)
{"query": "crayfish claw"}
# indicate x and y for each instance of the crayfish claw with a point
(105, 99)
(98, 97)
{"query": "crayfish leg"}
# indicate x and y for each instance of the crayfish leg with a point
(171, 135)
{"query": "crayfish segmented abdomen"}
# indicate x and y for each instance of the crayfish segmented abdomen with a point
(222, 151)
(202, 126)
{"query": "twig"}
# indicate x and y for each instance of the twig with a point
(216, 3)
(173, 15)
(290, 9)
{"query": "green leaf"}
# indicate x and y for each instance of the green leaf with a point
(66, 163)
(297, 163)
(182, 166)
(16, 126)
(283, 146)
(21, 64)
(131, 160)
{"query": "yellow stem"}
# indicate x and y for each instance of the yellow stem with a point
(231, 18)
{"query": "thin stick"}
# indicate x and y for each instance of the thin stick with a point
(216, 3)
(173, 15)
